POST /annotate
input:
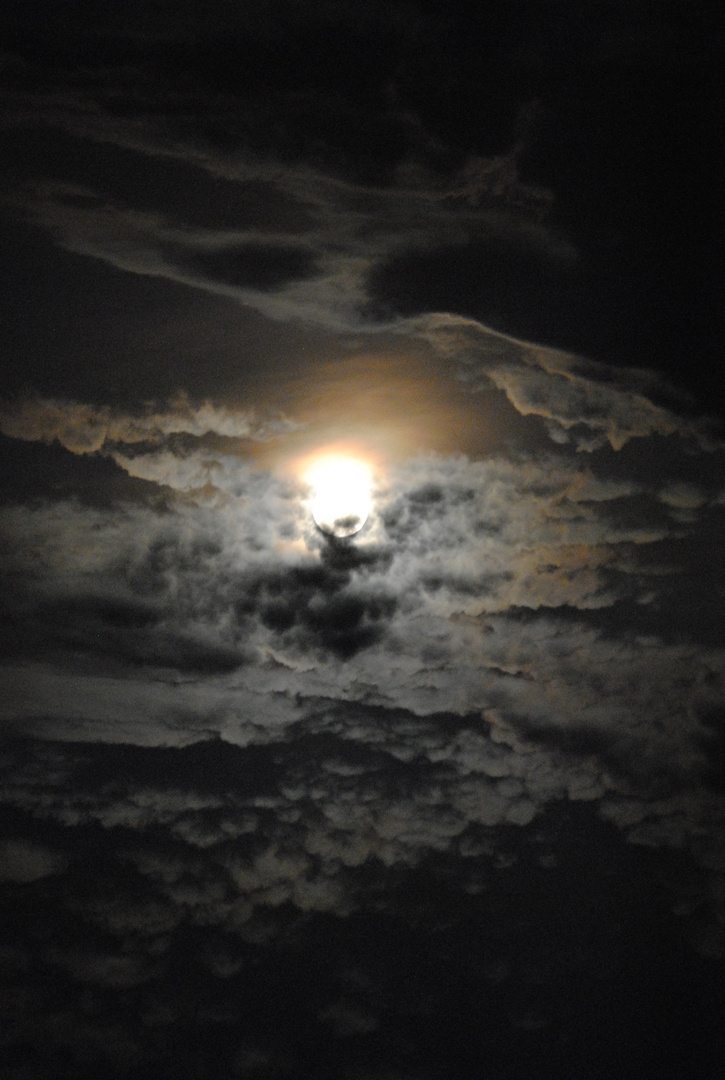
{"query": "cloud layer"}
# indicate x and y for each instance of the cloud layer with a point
(276, 805)
(514, 623)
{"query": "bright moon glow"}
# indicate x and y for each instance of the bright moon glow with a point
(341, 498)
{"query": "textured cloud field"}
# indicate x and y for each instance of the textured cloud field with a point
(513, 648)
(516, 625)
(279, 805)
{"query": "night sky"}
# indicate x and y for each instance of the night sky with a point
(442, 799)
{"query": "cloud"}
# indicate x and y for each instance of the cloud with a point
(254, 266)
(24, 861)
(310, 238)
(347, 1019)
(563, 722)
(257, 773)
(103, 970)
(359, 816)
(87, 429)
(683, 498)
(315, 607)
(238, 848)
(541, 590)
(507, 635)
(580, 399)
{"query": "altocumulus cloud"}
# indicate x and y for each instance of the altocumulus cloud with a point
(507, 633)
(85, 429)
(264, 791)
(257, 726)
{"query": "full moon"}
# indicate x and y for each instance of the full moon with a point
(341, 499)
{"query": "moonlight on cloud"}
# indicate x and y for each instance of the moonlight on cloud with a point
(341, 500)
(362, 508)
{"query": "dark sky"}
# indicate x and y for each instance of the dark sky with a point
(444, 799)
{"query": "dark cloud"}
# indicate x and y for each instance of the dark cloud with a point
(23, 861)
(275, 804)
(117, 631)
(88, 173)
(374, 102)
(314, 605)
(182, 931)
(251, 266)
(513, 284)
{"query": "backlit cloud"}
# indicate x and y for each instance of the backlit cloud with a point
(276, 802)
(499, 620)
(85, 429)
